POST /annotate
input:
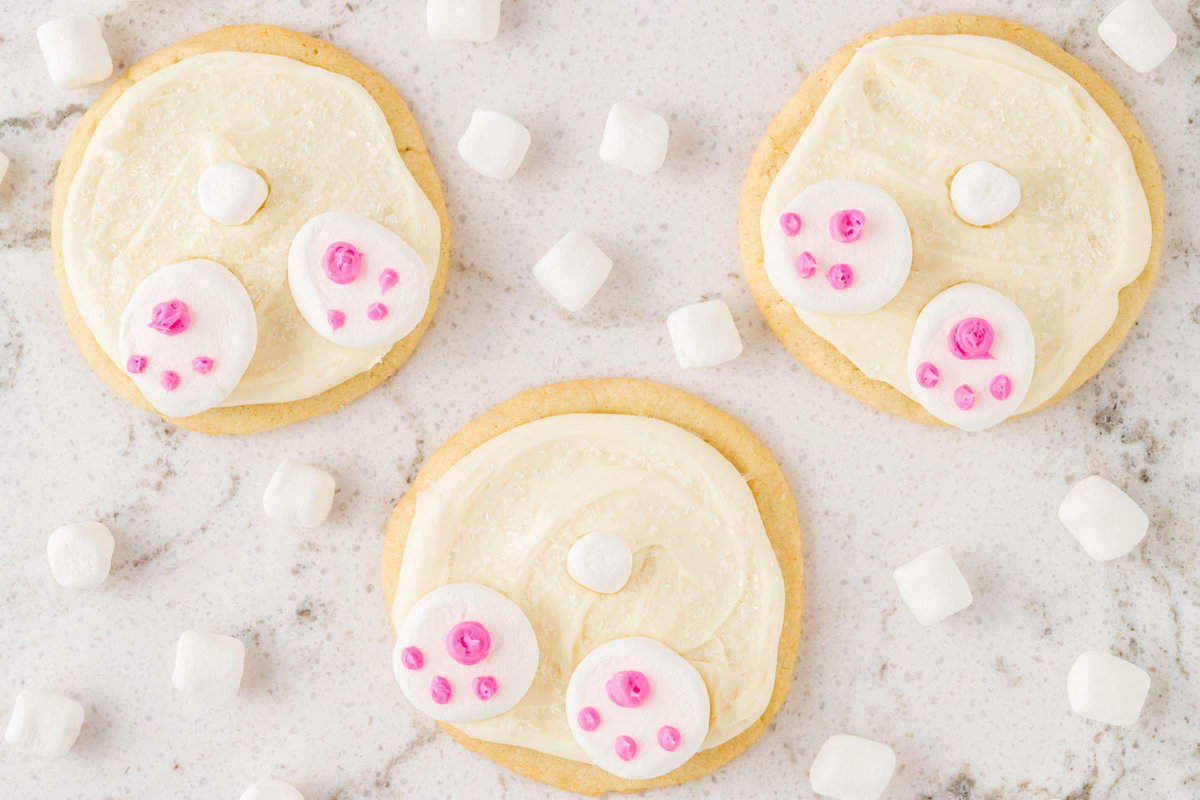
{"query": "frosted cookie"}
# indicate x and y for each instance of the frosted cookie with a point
(291, 147)
(540, 502)
(948, 117)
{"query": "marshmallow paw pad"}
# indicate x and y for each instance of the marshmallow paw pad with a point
(637, 708)
(187, 336)
(464, 653)
(355, 282)
(971, 357)
(839, 247)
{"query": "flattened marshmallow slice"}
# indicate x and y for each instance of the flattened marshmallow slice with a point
(1107, 522)
(839, 247)
(1107, 689)
(272, 789)
(852, 768)
(187, 336)
(75, 51)
(463, 20)
(494, 144)
(465, 652)
(80, 555)
(637, 708)
(601, 562)
(355, 282)
(971, 357)
(44, 723)
(230, 193)
(984, 194)
(1138, 34)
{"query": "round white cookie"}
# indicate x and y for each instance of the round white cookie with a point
(839, 247)
(637, 708)
(355, 282)
(971, 357)
(465, 652)
(187, 335)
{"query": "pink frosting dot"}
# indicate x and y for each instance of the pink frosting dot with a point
(588, 718)
(171, 317)
(412, 658)
(440, 690)
(847, 225)
(972, 338)
(387, 279)
(136, 365)
(342, 262)
(928, 375)
(202, 365)
(964, 397)
(376, 311)
(336, 318)
(468, 643)
(169, 380)
(626, 748)
(485, 687)
(668, 737)
(840, 276)
(628, 688)
(1001, 387)
(791, 223)
(806, 265)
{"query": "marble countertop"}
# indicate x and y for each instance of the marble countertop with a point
(975, 707)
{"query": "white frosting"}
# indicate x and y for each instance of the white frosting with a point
(705, 580)
(996, 380)
(230, 193)
(319, 137)
(808, 266)
(984, 194)
(355, 282)
(193, 370)
(674, 697)
(601, 562)
(480, 689)
(905, 114)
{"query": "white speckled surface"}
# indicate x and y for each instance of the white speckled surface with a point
(975, 707)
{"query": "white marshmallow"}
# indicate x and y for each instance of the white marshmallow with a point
(494, 144)
(463, 20)
(272, 789)
(573, 270)
(635, 138)
(80, 554)
(1106, 521)
(984, 194)
(1107, 689)
(75, 51)
(1138, 34)
(299, 494)
(209, 666)
(601, 562)
(44, 723)
(932, 586)
(704, 334)
(852, 768)
(230, 193)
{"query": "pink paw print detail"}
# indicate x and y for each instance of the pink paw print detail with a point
(971, 357)
(480, 666)
(852, 233)
(638, 722)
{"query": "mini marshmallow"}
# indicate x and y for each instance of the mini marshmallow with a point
(44, 723)
(209, 666)
(601, 562)
(704, 334)
(852, 768)
(463, 20)
(80, 554)
(230, 193)
(299, 494)
(1138, 34)
(932, 586)
(75, 51)
(494, 144)
(1107, 689)
(573, 270)
(272, 789)
(984, 194)
(635, 138)
(1107, 522)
